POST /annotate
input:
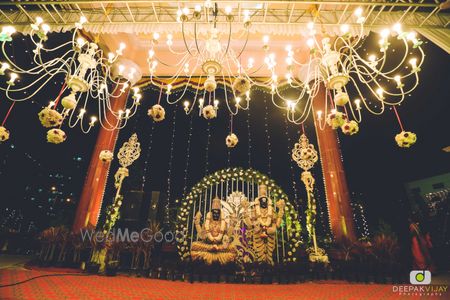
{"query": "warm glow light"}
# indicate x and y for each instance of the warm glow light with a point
(156, 36)
(358, 12)
(397, 28)
(319, 114)
(310, 43)
(372, 58)
(310, 25)
(345, 28)
(397, 78)
(265, 39)
(186, 104)
(385, 33)
(228, 10)
(413, 61)
(358, 103)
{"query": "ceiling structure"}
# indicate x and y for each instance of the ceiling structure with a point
(135, 21)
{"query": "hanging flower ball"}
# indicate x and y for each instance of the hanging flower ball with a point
(336, 119)
(157, 113)
(241, 85)
(405, 139)
(69, 102)
(231, 140)
(56, 136)
(350, 128)
(4, 134)
(106, 156)
(210, 84)
(209, 112)
(341, 98)
(50, 117)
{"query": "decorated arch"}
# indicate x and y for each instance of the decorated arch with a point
(236, 186)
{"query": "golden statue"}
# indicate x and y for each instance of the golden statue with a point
(214, 244)
(265, 221)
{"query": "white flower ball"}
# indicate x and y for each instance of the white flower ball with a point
(336, 119)
(209, 112)
(69, 102)
(210, 84)
(350, 128)
(241, 85)
(106, 156)
(50, 117)
(231, 140)
(341, 98)
(157, 113)
(56, 136)
(4, 134)
(405, 139)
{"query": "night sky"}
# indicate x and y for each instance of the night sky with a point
(375, 166)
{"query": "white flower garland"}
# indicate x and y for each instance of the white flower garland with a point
(50, 117)
(56, 136)
(157, 113)
(4, 134)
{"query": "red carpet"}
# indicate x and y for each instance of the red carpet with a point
(121, 287)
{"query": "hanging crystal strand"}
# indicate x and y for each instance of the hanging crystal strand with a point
(249, 139)
(169, 171)
(147, 157)
(269, 147)
(291, 165)
(208, 138)
(188, 155)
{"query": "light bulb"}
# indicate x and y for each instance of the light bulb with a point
(397, 28)
(83, 20)
(358, 12)
(228, 10)
(186, 104)
(413, 62)
(198, 8)
(186, 11)
(216, 103)
(265, 39)
(93, 120)
(121, 69)
(358, 103)
(345, 28)
(310, 25)
(39, 20)
(13, 77)
(380, 92)
(310, 43)
(45, 28)
(81, 42)
(135, 89)
(151, 53)
(397, 78)
(122, 46)
(238, 99)
(319, 114)
(156, 36)
(127, 112)
(385, 33)
(372, 58)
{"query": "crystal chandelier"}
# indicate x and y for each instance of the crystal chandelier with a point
(208, 55)
(336, 64)
(89, 75)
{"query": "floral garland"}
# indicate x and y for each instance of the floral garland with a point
(292, 224)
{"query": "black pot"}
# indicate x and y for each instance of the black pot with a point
(111, 271)
(93, 268)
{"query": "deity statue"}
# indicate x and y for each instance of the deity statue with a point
(214, 244)
(264, 221)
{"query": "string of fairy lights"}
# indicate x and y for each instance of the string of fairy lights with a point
(147, 157)
(297, 200)
(208, 138)
(269, 146)
(169, 168)
(188, 154)
(249, 140)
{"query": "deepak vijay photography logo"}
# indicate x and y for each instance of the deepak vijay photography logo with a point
(420, 285)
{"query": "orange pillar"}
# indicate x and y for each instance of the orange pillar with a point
(95, 183)
(336, 188)
(94, 186)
